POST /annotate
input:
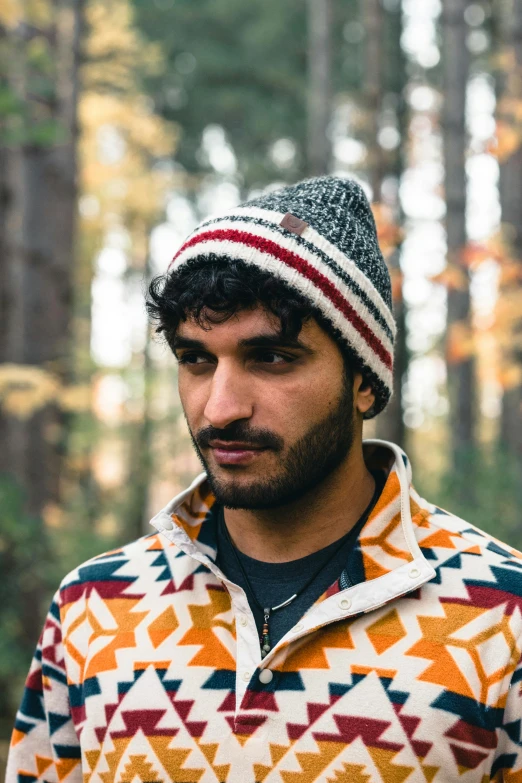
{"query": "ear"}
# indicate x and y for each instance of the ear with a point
(362, 393)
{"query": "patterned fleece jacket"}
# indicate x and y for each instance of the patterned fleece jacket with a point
(149, 668)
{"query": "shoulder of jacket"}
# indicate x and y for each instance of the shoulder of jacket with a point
(109, 566)
(438, 522)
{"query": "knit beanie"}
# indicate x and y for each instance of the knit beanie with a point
(319, 237)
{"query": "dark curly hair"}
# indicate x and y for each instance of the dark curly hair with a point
(212, 290)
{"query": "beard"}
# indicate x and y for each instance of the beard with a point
(305, 465)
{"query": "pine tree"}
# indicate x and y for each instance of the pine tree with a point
(461, 364)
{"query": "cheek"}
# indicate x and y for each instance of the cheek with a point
(193, 398)
(294, 408)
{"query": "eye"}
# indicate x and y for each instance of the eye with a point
(192, 359)
(273, 357)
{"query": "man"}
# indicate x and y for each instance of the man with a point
(300, 613)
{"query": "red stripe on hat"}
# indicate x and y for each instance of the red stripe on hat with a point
(306, 270)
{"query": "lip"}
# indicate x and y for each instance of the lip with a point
(233, 445)
(234, 453)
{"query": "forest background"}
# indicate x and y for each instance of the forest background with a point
(125, 122)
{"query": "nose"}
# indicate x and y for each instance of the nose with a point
(230, 397)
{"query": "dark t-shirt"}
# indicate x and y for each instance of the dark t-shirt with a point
(274, 583)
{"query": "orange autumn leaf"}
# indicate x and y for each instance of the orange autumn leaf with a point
(510, 272)
(507, 141)
(510, 377)
(389, 233)
(460, 343)
(396, 278)
(474, 253)
(497, 245)
(453, 277)
(509, 108)
(508, 309)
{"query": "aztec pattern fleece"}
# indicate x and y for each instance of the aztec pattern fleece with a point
(148, 668)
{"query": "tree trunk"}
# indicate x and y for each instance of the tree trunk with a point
(4, 201)
(319, 87)
(142, 455)
(373, 91)
(39, 252)
(4, 191)
(390, 423)
(509, 97)
(39, 198)
(461, 363)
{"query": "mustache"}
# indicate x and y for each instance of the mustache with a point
(258, 438)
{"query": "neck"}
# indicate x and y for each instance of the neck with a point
(312, 522)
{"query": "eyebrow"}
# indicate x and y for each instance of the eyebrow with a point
(258, 341)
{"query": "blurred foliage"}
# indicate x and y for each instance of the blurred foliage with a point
(123, 141)
(28, 100)
(497, 491)
(242, 66)
(24, 564)
(20, 566)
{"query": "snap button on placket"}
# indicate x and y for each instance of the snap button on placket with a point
(414, 572)
(247, 676)
(345, 603)
(168, 524)
(243, 620)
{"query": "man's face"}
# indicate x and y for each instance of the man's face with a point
(270, 418)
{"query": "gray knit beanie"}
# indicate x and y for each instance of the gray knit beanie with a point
(318, 236)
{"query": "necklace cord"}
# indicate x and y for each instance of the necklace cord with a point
(329, 557)
(265, 640)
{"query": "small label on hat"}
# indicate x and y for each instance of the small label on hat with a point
(293, 223)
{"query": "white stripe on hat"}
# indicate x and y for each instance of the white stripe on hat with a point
(293, 277)
(312, 236)
(288, 243)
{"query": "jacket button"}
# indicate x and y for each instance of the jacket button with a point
(345, 603)
(266, 676)
(414, 572)
(168, 524)
(243, 620)
(247, 676)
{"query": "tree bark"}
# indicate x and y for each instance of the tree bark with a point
(509, 95)
(39, 252)
(461, 367)
(390, 423)
(319, 87)
(39, 198)
(142, 454)
(373, 91)
(4, 191)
